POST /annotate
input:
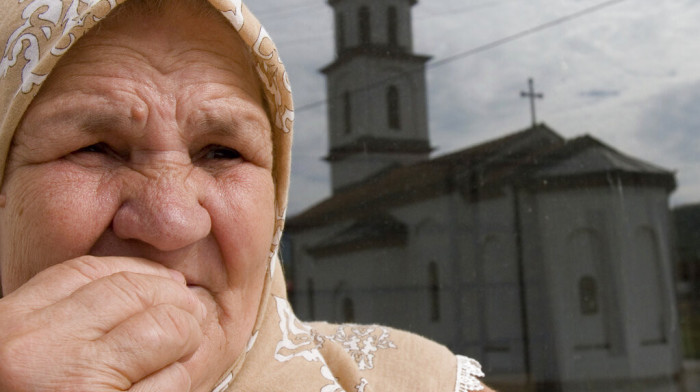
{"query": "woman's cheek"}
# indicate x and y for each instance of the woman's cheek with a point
(244, 219)
(61, 213)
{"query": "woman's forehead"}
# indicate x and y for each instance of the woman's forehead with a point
(171, 39)
(138, 68)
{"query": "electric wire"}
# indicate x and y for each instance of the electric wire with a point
(471, 52)
(457, 11)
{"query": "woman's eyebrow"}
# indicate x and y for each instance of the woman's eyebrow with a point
(232, 124)
(97, 123)
(85, 120)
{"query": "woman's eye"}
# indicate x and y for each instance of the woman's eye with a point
(97, 148)
(220, 152)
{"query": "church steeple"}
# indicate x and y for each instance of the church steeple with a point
(377, 108)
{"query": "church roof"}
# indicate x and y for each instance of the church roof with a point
(374, 231)
(536, 158)
(587, 154)
(586, 161)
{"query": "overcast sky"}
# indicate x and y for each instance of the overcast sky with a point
(628, 74)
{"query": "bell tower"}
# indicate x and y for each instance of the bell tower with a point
(377, 112)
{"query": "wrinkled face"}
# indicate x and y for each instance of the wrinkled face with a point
(149, 140)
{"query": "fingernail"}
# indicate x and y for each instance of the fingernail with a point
(178, 276)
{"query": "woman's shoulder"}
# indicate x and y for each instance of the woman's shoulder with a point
(380, 358)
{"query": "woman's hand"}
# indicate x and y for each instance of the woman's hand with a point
(99, 324)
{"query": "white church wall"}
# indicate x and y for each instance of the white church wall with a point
(305, 267)
(474, 245)
(650, 310)
(429, 242)
(374, 281)
(591, 235)
(540, 338)
(382, 283)
(491, 224)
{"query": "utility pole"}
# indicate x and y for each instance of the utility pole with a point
(532, 95)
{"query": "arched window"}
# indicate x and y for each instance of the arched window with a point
(364, 25)
(347, 113)
(588, 295)
(348, 310)
(434, 291)
(339, 32)
(392, 25)
(392, 106)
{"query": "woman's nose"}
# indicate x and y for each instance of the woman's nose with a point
(161, 207)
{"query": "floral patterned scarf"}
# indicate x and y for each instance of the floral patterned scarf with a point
(283, 353)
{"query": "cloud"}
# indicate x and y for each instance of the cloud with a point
(599, 93)
(670, 128)
(671, 123)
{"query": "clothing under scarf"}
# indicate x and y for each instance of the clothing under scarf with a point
(283, 353)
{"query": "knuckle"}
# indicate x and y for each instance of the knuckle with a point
(130, 288)
(172, 324)
(89, 267)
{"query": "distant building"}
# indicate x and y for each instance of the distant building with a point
(687, 224)
(547, 259)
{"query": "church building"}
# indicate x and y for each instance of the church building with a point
(547, 259)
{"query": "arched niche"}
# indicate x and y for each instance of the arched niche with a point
(585, 276)
(647, 283)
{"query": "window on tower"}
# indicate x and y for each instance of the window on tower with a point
(434, 291)
(392, 26)
(340, 32)
(347, 113)
(393, 110)
(364, 25)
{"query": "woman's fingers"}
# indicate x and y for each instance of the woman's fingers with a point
(61, 280)
(149, 342)
(97, 307)
(173, 378)
(109, 322)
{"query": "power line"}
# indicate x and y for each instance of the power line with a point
(276, 9)
(325, 34)
(478, 49)
(299, 40)
(463, 10)
(285, 11)
(524, 33)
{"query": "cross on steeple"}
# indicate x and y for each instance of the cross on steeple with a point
(532, 95)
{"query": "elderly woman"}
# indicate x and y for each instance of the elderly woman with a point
(146, 151)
